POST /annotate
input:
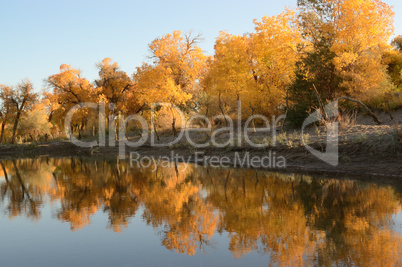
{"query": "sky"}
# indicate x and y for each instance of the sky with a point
(37, 36)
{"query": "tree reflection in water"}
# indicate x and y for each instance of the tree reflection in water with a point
(296, 219)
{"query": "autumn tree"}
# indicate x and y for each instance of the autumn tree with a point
(255, 68)
(397, 42)
(393, 60)
(113, 85)
(174, 74)
(6, 94)
(179, 54)
(342, 52)
(35, 122)
(53, 111)
(22, 100)
(230, 77)
(274, 45)
(70, 89)
(362, 30)
(315, 66)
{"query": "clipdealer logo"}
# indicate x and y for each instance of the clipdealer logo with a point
(330, 156)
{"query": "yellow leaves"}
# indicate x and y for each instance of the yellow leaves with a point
(107, 63)
(345, 59)
(35, 121)
(180, 54)
(362, 25)
(113, 86)
(361, 31)
(168, 48)
(369, 22)
(69, 87)
(344, 44)
(283, 23)
(256, 68)
(155, 84)
(173, 77)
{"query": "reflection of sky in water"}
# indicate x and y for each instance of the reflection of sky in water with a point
(397, 219)
(252, 209)
(48, 242)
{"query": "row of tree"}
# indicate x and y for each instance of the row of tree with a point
(292, 61)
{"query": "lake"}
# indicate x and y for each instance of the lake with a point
(72, 211)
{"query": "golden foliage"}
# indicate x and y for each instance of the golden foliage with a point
(256, 68)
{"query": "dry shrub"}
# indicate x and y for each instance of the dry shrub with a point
(164, 118)
(347, 118)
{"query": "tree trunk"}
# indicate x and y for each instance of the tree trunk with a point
(369, 112)
(174, 127)
(173, 122)
(17, 118)
(322, 108)
(156, 132)
(220, 107)
(49, 119)
(388, 110)
(3, 124)
(71, 132)
(287, 109)
(252, 114)
(399, 131)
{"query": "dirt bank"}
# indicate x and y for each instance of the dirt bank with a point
(364, 150)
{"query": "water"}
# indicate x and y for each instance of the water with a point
(90, 212)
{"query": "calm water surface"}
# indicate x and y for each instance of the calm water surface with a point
(63, 212)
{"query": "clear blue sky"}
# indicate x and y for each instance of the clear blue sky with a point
(38, 36)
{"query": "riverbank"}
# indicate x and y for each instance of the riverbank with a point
(364, 150)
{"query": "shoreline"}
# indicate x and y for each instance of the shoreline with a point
(362, 164)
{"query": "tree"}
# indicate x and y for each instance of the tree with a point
(256, 68)
(173, 77)
(230, 77)
(22, 100)
(113, 85)
(6, 93)
(156, 85)
(342, 53)
(393, 60)
(180, 55)
(274, 45)
(362, 30)
(397, 42)
(70, 89)
(35, 122)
